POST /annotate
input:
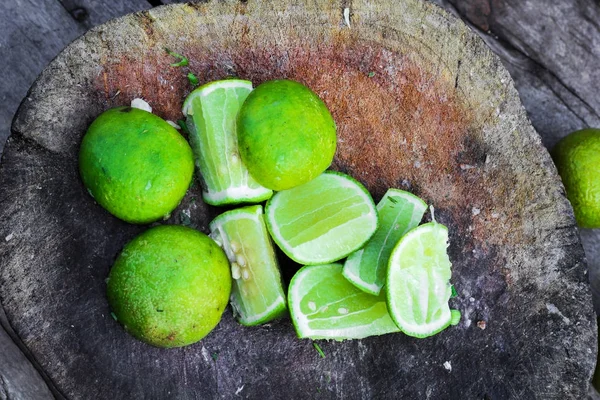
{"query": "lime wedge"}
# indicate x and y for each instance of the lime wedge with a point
(324, 305)
(257, 295)
(399, 211)
(418, 281)
(323, 220)
(211, 112)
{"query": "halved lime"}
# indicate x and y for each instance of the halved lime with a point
(418, 281)
(211, 112)
(399, 211)
(324, 305)
(323, 220)
(257, 294)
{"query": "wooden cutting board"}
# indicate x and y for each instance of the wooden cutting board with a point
(420, 103)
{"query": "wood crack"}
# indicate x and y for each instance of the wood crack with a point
(520, 59)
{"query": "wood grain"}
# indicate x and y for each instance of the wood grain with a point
(439, 117)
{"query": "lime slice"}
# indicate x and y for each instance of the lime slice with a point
(324, 305)
(211, 112)
(418, 281)
(257, 295)
(323, 220)
(399, 211)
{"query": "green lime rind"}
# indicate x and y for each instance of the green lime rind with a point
(286, 133)
(577, 159)
(324, 305)
(322, 221)
(257, 294)
(135, 165)
(169, 286)
(398, 211)
(211, 115)
(418, 281)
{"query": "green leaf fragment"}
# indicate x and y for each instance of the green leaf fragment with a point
(454, 292)
(183, 61)
(183, 126)
(371, 74)
(454, 317)
(318, 348)
(215, 356)
(112, 314)
(193, 80)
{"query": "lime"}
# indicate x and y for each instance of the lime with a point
(135, 165)
(286, 134)
(324, 305)
(169, 286)
(418, 282)
(399, 211)
(211, 112)
(257, 295)
(323, 220)
(577, 158)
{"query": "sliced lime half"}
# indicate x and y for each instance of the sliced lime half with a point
(324, 305)
(323, 220)
(257, 294)
(418, 281)
(211, 112)
(399, 211)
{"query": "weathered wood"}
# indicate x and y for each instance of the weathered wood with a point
(89, 13)
(439, 117)
(31, 34)
(18, 379)
(550, 49)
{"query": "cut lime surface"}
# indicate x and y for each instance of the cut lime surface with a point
(399, 211)
(323, 220)
(211, 112)
(324, 305)
(418, 281)
(257, 294)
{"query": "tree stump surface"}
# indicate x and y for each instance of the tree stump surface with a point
(421, 104)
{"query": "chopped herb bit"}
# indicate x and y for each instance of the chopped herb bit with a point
(193, 80)
(318, 348)
(454, 292)
(215, 355)
(112, 314)
(371, 74)
(183, 126)
(183, 61)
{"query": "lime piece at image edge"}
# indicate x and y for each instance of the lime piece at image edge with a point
(322, 221)
(257, 295)
(211, 112)
(324, 305)
(398, 211)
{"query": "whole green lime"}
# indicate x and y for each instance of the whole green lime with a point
(135, 165)
(170, 286)
(577, 158)
(286, 134)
